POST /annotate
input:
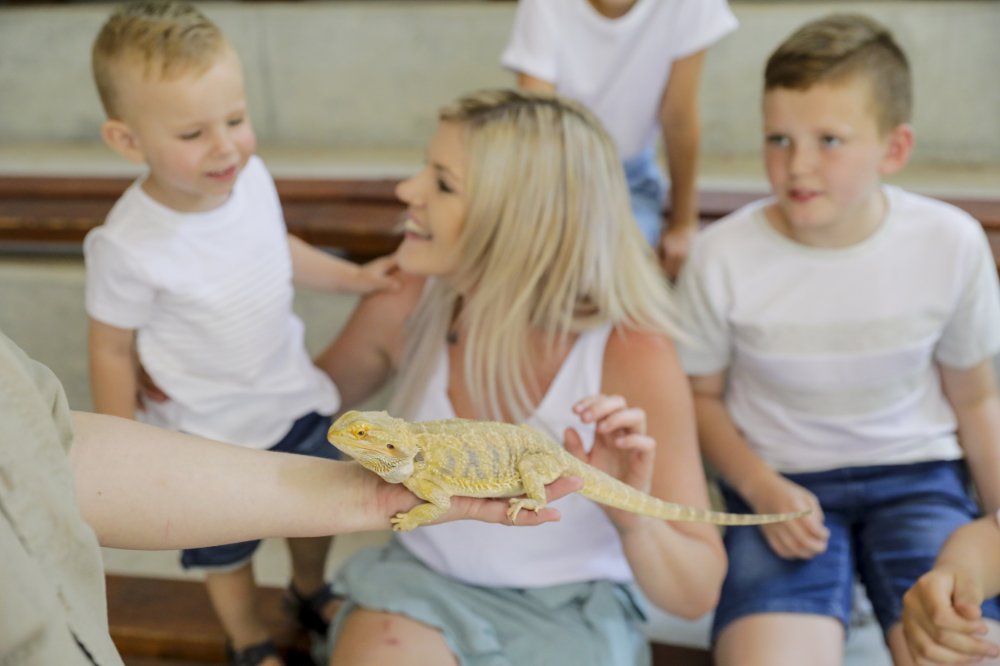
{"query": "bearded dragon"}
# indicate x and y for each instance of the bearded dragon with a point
(436, 460)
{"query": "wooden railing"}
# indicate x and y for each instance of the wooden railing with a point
(358, 216)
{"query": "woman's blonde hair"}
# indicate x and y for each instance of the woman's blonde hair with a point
(549, 243)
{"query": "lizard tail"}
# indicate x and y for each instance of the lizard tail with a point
(609, 491)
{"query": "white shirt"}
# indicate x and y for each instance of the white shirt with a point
(618, 68)
(210, 297)
(583, 545)
(832, 353)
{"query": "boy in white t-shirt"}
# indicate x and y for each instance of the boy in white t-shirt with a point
(844, 335)
(192, 276)
(637, 65)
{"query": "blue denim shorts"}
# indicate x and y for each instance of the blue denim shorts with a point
(647, 191)
(306, 437)
(887, 524)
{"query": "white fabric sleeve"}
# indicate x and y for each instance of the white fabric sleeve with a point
(117, 291)
(972, 333)
(533, 41)
(707, 346)
(704, 23)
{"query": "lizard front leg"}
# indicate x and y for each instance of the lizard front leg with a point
(438, 501)
(535, 471)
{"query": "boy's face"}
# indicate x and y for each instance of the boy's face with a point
(193, 132)
(825, 158)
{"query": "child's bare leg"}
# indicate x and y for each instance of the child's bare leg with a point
(234, 598)
(781, 639)
(309, 568)
(372, 638)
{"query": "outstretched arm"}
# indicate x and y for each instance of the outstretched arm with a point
(146, 488)
(942, 619)
(681, 128)
(313, 268)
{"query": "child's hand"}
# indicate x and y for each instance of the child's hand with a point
(377, 275)
(803, 538)
(675, 245)
(942, 618)
(147, 388)
(621, 446)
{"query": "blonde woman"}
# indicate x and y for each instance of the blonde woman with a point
(526, 299)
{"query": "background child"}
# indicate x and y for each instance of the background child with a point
(192, 275)
(847, 331)
(527, 299)
(637, 65)
(942, 612)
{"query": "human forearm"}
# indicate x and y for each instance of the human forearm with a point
(975, 549)
(679, 568)
(974, 397)
(113, 383)
(979, 429)
(143, 487)
(725, 448)
(313, 268)
(682, 166)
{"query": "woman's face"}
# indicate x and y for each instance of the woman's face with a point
(436, 205)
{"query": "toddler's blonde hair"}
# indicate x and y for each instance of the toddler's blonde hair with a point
(165, 38)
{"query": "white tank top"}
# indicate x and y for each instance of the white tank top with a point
(583, 545)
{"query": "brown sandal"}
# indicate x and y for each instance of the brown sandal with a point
(251, 655)
(308, 610)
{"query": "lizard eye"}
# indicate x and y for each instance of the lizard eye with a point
(360, 431)
(390, 447)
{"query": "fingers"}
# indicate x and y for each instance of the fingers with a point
(792, 541)
(612, 414)
(935, 632)
(381, 272)
(562, 487)
(803, 538)
(573, 444)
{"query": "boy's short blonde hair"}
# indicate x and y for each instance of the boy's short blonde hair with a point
(840, 46)
(166, 38)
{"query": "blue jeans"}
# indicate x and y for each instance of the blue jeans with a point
(887, 524)
(307, 436)
(647, 191)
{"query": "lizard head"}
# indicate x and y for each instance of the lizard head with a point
(379, 442)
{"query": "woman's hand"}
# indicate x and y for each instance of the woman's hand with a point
(621, 448)
(396, 498)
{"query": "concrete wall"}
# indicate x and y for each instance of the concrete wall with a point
(328, 77)
(41, 309)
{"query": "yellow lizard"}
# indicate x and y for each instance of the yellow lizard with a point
(437, 460)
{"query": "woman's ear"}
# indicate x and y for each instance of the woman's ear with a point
(122, 140)
(898, 148)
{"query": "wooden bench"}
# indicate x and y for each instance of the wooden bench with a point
(360, 217)
(165, 622)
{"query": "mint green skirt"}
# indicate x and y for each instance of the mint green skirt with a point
(586, 624)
